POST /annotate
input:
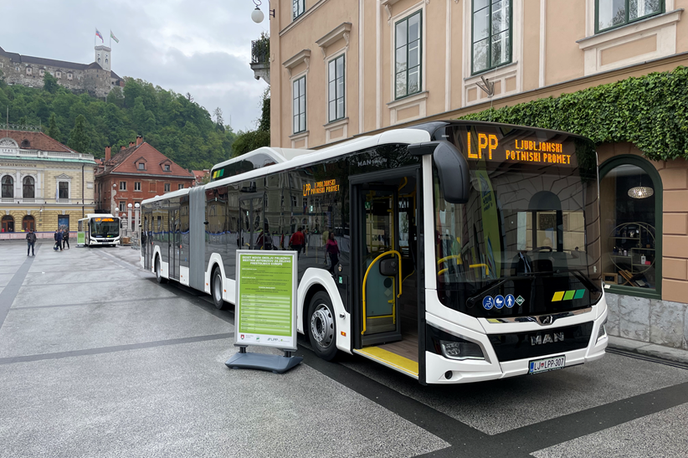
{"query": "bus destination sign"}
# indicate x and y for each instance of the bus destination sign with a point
(320, 187)
(489, 148)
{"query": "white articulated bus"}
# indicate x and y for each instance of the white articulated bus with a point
(98, 229)
(469, 251)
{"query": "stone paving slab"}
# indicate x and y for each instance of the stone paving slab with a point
(634, 439)
(551, 394)
(183, 401)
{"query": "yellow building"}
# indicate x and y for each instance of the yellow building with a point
(339, 69)
(45, 185)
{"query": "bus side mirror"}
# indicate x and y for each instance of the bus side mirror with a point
(452, 169)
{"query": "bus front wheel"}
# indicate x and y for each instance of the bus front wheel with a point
(321, 326)
(216, 289)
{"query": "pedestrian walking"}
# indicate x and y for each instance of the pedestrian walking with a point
(58, 240)
(31, 242)
(297, 240)
(332, 250)
(65, 238)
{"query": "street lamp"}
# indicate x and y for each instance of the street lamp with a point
(257, 14)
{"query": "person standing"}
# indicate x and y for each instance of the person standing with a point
(31, 242)
(332, 250)
(65, 238)
(297, 240)
(58, 239)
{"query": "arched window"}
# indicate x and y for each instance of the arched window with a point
(7, 224)
(29, 188)
(7, 187)
(631, 205)
(28, 223)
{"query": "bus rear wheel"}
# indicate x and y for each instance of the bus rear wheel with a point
(158, 271)
(216, 289)
(321, 326)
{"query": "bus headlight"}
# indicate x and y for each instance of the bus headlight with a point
(461, 349)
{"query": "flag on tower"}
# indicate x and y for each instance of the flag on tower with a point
(99, 36)
(112, 35)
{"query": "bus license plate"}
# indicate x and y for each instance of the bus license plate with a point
(547, 364)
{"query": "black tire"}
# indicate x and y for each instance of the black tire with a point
(158, 271)
(216, 289)
(321, 326)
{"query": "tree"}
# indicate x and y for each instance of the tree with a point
(248, 141)
(219, 121)
(53, 130)
(78, 140)
(50, 83)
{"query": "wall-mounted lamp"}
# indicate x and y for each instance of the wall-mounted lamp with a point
(257, 15)
(486, 85)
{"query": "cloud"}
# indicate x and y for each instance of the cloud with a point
(197, 46)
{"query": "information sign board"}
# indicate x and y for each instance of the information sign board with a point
(266, 298)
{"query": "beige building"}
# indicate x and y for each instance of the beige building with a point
(344, 68)
(45, 185)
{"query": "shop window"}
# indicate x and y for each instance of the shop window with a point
(29, 188)
(615, 13)
(7, 187)
(7, 224)
(28, 223)
(630, 195)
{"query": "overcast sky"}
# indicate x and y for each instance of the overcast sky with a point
(198, 46)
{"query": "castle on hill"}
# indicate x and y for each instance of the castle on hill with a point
(96, 78)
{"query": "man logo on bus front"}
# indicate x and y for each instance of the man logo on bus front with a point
(548, 319)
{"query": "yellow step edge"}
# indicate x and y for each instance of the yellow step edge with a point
(390, 359)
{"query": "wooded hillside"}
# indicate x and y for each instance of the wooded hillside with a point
(173, 123)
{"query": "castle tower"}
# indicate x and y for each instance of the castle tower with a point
(103, 57)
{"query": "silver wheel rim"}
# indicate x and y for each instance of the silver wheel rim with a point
(217, 289)
(322, 326)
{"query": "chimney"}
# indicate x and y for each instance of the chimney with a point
(107, 153)
(121, 147)
(139, 140)
(131, 144)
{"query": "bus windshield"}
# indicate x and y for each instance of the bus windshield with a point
(522, 243)
(104, 227)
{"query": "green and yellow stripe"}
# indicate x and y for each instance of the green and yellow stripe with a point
(568, 295)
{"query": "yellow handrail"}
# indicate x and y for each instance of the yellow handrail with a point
(487, 269)
(365, 279)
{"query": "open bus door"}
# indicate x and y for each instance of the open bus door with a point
(388, 313)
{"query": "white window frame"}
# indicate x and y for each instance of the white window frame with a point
(137, 186)
(333, 59)
(294, 81)
(167, 187)
(122, 185)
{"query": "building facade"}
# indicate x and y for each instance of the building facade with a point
(45, 185)
(135, 173)
(339, 69)
(96, 78)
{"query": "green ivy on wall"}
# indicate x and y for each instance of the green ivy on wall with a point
(649, 111)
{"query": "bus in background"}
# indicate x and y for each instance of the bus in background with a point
(469, 251)
(98, 229)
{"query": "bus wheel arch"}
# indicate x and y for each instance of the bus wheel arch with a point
(217, 287)
(320, 324)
